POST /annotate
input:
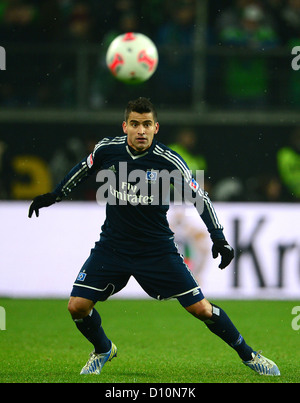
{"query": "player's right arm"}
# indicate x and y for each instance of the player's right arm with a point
(78, 174)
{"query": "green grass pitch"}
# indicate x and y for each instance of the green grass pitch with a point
(158, 342)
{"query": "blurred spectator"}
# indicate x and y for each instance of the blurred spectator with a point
(265, 188)
(246, 79)
(79, 26)
(291, 93)
(186, 146)
(291, 18)
(82, 27)
(228, 189)
(274, 8)
(65, 158)
(19, 21)
(175, 40)
(80, 23)
(231, 15)
(124, 6)
(288, 160)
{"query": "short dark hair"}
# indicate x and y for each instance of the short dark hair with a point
(140, 105)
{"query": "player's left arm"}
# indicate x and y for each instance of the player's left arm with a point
(220, 244)
(209, 216)
(193, 192)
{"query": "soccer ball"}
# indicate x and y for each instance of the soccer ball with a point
(132, 58)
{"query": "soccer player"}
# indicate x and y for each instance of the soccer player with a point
(136, 240)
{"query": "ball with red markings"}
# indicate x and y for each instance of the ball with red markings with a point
(132, 57)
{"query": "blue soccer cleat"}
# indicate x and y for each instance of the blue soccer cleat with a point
(262, 365)
(96, 361)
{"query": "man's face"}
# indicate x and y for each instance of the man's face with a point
(140, 129)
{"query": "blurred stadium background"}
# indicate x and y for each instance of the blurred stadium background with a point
(228, 99)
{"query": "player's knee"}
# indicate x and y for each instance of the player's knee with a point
(79, 307)
(201, 309)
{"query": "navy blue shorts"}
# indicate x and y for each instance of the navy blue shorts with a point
(162, 276)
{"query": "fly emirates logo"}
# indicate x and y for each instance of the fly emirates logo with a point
(130, 194)
(148, 187)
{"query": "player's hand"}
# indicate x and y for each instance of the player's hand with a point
(221, 246)
(38, 202)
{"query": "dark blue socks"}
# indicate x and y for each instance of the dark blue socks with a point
(221, 325)
(91, 328)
